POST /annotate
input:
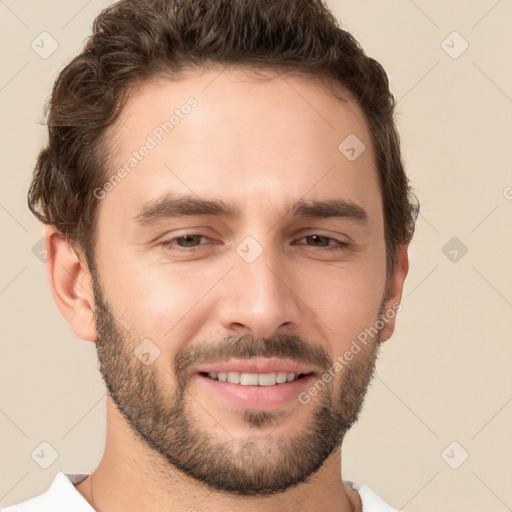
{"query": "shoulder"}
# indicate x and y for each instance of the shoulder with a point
(61, 496)
(371, 501)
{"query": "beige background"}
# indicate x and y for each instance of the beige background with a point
(444, 376)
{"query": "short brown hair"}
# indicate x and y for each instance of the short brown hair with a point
(135, 40)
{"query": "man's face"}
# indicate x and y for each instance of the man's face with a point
(259, 294)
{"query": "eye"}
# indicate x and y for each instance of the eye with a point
(188, 242)
(337, 246)
(189, 238)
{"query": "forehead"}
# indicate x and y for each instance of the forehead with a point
(256, 141)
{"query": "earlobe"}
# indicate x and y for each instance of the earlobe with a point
(71, 284)
(394, 297)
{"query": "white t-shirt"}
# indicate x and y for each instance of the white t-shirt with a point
(63, 497)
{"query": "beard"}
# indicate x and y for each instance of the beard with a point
(259, 463)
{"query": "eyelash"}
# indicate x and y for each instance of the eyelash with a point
(339, 246)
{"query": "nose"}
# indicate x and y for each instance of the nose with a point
(258, 298)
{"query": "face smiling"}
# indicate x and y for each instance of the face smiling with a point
(247, 303)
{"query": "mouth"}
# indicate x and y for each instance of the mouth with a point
(255, 379)
(258, 383)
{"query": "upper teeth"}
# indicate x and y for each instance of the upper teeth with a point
(253, 379)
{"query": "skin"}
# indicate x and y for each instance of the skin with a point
(260, 145)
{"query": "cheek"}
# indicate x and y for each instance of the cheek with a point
(160, 303)
(346, 300)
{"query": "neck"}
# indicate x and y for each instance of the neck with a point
(131, 477)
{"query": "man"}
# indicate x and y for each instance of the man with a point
(228, 220)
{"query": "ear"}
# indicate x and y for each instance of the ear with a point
(394, 296)
(71, 284)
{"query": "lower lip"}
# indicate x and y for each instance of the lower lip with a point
(259, 397)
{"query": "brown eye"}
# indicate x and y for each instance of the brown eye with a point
(186, 242)
(324, 243)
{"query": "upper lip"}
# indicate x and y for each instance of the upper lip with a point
(257, 365)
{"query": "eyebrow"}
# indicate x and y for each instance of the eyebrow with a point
(172, 205)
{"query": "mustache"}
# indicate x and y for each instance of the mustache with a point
(282, 346)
